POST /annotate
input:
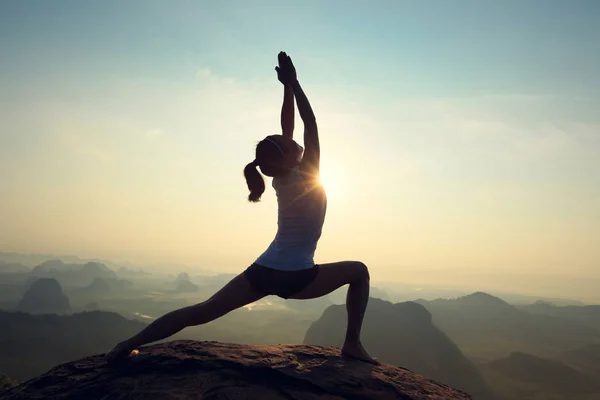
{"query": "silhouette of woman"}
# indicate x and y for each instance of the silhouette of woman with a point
(286, 269)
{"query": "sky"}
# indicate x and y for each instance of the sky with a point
(460, 140)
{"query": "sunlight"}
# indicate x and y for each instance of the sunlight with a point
(332, 178)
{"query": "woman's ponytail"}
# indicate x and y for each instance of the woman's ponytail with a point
(255, 182)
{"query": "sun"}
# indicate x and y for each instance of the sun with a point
(332, 178)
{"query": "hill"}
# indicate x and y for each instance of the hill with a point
(12, 268)
(44, 296)
(32, 344)
(73, 274)
(585, 359)
(403, 334)
(214, 371)
(587, 315)
(523, 376)
(486, 328)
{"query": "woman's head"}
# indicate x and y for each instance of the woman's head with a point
(275, 155)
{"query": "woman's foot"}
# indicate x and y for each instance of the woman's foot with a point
(120, 352)
(358, 352)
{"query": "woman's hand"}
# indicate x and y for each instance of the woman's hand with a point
(286, 72)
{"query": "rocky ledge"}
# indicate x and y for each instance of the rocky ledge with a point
(217, 371)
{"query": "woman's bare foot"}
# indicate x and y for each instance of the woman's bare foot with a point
(358, 352)
(120, 352)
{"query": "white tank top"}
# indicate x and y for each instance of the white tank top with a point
(301, 214)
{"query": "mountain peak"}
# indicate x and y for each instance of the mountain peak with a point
(49, 265)
(482, 298)
(44, 296)
(212, 370)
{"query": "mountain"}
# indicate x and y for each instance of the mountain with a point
(523, 376)
(183, 276)
(184, 286)
(522, 299)
(403, 334)
(50, 265)
(32, 344)
(486, 328)
(186, 370)
(12, 268)
(11, 292)
(132, 273)
(585, 359)
(28, 260)
(73, 274)
(31, 260)
(98, 287)
(44, 296)
(587, 315)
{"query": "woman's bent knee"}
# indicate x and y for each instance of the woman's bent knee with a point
(362, 271)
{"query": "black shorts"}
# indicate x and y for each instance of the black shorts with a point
(284, 284)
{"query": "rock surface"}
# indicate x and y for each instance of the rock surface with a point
(215, 371)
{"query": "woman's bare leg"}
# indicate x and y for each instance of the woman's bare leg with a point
(237, 293)
(331, 277)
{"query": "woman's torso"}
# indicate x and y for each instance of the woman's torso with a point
(302, 204)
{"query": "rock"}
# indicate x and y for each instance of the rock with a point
(214, 371)
(6, 382)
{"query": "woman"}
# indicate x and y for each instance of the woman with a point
(286, 269)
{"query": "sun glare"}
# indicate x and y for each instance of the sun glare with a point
(332, 178)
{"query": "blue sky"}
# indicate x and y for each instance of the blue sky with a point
(459, 47)
(460, 136)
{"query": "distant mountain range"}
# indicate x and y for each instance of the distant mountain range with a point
(586, 315)
(13, 268)
(31, 260)
(73, 274)
(585, 359)
(522, 376)
(487, 328)
(478, 342)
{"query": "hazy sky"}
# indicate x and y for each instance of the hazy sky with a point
(460, 140)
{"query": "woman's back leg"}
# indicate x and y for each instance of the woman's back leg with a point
(237, 293)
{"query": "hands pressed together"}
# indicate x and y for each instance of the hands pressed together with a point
(286, 72)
